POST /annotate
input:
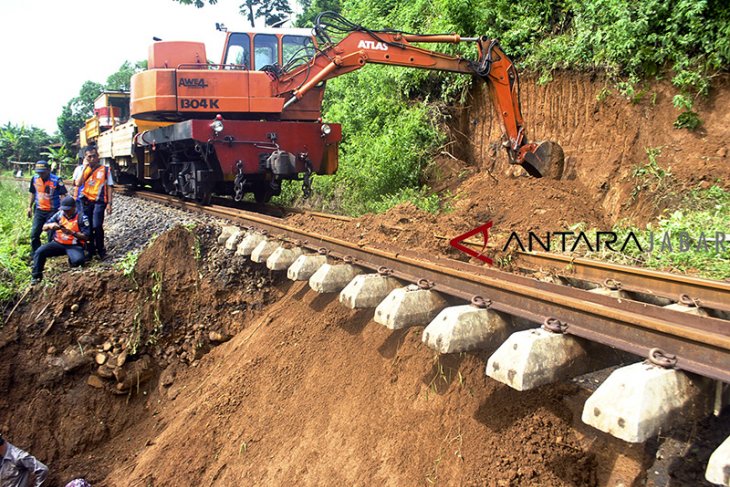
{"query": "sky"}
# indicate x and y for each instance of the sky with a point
(50, 47)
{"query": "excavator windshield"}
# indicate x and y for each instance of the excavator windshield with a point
(266, 47)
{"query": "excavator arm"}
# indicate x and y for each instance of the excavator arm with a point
(361, 46)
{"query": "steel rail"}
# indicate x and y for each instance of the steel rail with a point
(709, 293)
(701, 344)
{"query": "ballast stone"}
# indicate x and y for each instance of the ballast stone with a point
(331, 278)
(249, 243)
(283, 257)
(718, 468)
(305, 266)
(264, 250)
(367, 290)
(532, 358)
(639, 400)
(226, 233)
(463, 328)
(408, 306)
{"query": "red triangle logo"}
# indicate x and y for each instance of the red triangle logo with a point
(484, 230)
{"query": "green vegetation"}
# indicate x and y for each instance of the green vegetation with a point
(273, 12)
(703, 212)
(23, 144)
(653, 179)
(14, 241)
(127, 265)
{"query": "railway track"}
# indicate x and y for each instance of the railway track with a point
(700, 343)
(648, 285)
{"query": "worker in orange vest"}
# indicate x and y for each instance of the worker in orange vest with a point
(70, 229)
(45, 191)
(96, 197)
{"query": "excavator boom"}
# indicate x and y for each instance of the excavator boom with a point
(361, 46)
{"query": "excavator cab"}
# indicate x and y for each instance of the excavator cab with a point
(288, 49)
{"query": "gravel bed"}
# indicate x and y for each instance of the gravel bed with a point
(135, 221)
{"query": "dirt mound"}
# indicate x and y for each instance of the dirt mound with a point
(305, 391)
(314, 394)
(79, 358)
(511, 204)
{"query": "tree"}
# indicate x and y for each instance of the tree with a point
(312, 8)
(77, 110)
(273, 11)
(21, 143)
(122, 79)
(62, 155)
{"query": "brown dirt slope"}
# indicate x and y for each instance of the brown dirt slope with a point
(305, 392)
(605, 136)
(47, 349)
(314, 394)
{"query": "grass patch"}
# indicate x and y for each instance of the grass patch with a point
(693, 230)
(14, 241)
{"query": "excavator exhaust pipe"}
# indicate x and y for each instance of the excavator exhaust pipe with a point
(544, 160)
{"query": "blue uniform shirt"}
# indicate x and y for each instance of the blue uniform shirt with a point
(47, 193)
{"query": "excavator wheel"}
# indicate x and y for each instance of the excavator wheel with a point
(545, 161)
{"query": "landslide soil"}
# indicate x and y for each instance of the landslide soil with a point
(182, 289)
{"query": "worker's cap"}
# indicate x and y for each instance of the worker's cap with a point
(68, 203)
(41, 166)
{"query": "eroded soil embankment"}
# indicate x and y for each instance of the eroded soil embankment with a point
(605, 136)
(306, 391)
(317, 394)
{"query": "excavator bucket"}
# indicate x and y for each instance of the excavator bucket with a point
(546, 160)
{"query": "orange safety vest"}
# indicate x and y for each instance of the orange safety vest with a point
(45, 193)
(71, 224)
(95, 182)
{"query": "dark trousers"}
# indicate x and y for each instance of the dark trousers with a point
(39, 219)
(75, 255)
(95, 214)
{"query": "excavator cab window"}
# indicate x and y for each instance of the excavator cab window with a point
(239, 51)
(296, 50)
(266, 50)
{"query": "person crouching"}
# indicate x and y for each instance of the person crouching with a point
(70, 228)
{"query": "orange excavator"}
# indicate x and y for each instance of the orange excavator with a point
(254, 120)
